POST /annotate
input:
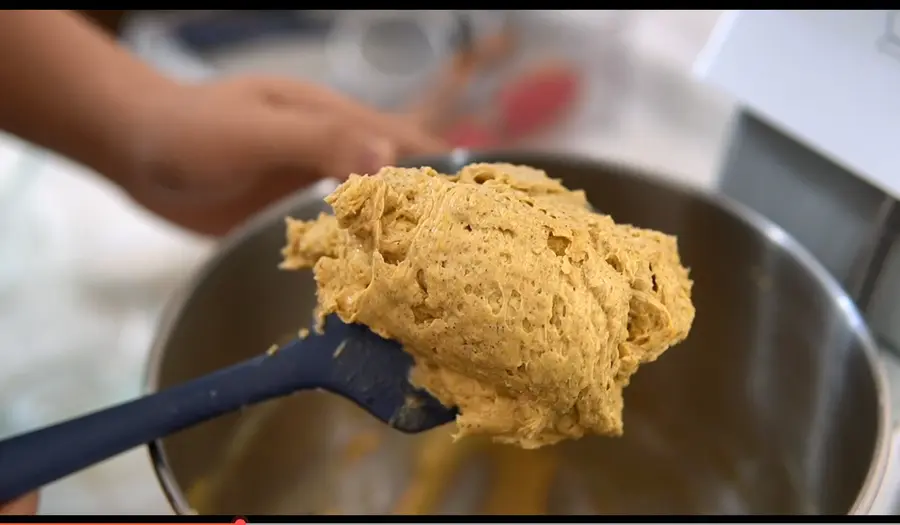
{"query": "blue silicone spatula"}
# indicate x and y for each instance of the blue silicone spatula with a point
(347, 360)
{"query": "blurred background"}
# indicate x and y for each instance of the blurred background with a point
(84, 274)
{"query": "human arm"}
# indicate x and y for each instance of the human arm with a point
(67, 86)
(26, 505)
(204, 156)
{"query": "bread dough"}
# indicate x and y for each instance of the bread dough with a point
(520, 306)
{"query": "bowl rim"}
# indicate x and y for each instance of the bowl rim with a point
(872, 483)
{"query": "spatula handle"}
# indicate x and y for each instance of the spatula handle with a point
(31, 460)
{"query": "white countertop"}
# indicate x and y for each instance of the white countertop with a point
(82, 278)
(84, 274)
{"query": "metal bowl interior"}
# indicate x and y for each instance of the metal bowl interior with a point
(774, 404)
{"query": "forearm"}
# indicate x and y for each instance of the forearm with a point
(67, 86)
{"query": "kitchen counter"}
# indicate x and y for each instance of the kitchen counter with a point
(83, 277)
(85, 274)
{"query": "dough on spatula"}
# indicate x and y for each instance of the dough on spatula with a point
(520, 306)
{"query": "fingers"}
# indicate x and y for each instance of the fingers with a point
(324, 144)
(218, 217)
(241, 145)
(26, 505)
(409, 138)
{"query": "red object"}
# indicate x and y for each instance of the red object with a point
(527, 104)
(537, 99)
(470, 133)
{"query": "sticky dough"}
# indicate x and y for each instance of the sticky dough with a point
(520, 306)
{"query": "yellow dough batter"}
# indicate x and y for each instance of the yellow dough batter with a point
(520, 306)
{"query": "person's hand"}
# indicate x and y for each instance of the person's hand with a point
(207, 156)
(27, 504)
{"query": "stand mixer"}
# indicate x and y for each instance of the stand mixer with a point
(814, 154)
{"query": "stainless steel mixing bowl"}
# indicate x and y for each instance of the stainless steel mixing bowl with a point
(774, 404)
